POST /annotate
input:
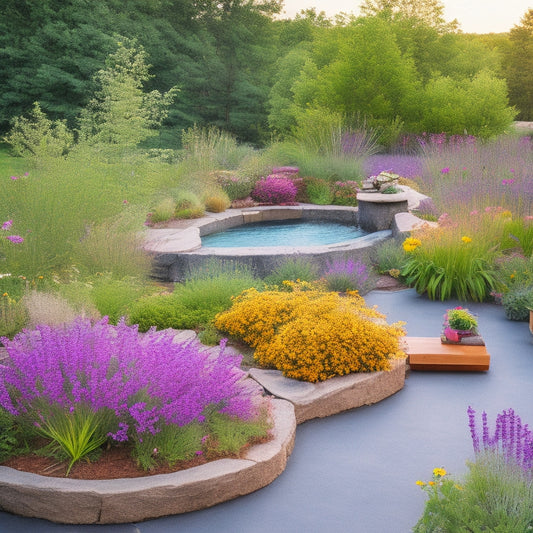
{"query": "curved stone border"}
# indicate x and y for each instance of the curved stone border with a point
(117, 501)
(317, 400)
(179, 251)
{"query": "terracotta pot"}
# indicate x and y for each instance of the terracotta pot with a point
(531, 321)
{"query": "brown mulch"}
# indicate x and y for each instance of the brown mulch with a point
(114, 463)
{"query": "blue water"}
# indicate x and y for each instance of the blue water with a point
(283, 233)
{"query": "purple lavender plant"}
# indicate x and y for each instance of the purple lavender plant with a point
(146, 380)
(511, 438)
(275, 189)
(346, 275)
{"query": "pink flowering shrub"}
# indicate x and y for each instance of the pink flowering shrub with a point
(275, 189)
(112, 382)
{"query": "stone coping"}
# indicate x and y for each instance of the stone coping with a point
(72, 501)
(189, 238)
(317, 400)
(380, 198)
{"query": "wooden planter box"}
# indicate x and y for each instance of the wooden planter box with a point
(429, 353)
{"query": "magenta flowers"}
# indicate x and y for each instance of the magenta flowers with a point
(16, 239)
(275, 189)
(146, 380)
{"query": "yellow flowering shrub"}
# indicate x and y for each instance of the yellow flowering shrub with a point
(312, 335)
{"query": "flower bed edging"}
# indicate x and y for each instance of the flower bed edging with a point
(116, 501)
(317, 400)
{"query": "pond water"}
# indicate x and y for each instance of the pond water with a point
(283, 233)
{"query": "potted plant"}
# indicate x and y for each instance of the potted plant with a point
(458, 323)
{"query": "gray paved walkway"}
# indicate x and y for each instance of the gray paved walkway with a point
(356, 471)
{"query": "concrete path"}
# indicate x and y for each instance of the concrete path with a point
(356, 471)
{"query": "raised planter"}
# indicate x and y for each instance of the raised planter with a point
(317, 400)
(429, 353)
(116, 501)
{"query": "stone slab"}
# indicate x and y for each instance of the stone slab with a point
(317, 400)
(73, 501)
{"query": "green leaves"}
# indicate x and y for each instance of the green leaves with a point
(76, 433)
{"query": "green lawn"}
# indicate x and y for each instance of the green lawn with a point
(9, 165)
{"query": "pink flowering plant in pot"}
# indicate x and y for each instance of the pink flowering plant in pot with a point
(459, 322)
(83, 385)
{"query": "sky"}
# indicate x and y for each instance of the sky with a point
(474, 16)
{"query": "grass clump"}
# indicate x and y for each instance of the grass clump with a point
(297, 269)
(312, 335)
(194, 303)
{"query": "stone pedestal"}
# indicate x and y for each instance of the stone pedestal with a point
(377, 210)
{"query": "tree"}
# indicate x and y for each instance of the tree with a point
(429, 12)
(120, 114)
(519, 66)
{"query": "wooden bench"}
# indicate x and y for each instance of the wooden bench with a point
(429, 353)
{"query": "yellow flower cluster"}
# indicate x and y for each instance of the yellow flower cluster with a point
(312, 335)
(411, 244)
(466, 239)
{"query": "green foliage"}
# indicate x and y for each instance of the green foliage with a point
(232, 434)
(194, 303)
(36, 135)
(495, 495)
(13, 316)
(461, 319)
(519, 232)
(113, 297)
(389, 256)
(444, 266)
(477, 106)
(319, 191)
(163, 211)
(292, 270)
(172, 444)
(518, 66)
(76, 433)
(513, 271)
(517, 303)
(13, 437)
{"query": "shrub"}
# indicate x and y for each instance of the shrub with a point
(496, 494)
(275, 189)
(513, 271)
(292, 270)
(193, 304)
(311, 336)
(217, 203)
(163, 211)
(319, 191)
(346, 275)
(13, 316)
(517, 303)
(447, 262)
(235, 186)
(519, 232)
(389, 256)
(189, 212)
(345, 193)
(83, 384)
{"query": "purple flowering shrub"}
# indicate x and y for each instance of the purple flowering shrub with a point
(346, 275)
(275, 189)
(511, 438)
(85, 379)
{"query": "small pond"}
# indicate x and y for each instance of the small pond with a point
(283, 233)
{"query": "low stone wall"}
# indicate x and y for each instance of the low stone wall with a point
(318, 400)
(72, 501)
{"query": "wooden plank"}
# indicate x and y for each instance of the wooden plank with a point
(428, 353)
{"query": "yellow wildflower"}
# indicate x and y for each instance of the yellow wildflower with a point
(439, 472)
(431, 483)
(5, 294)
(466, 239)
(421, 483)
(410, 244)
